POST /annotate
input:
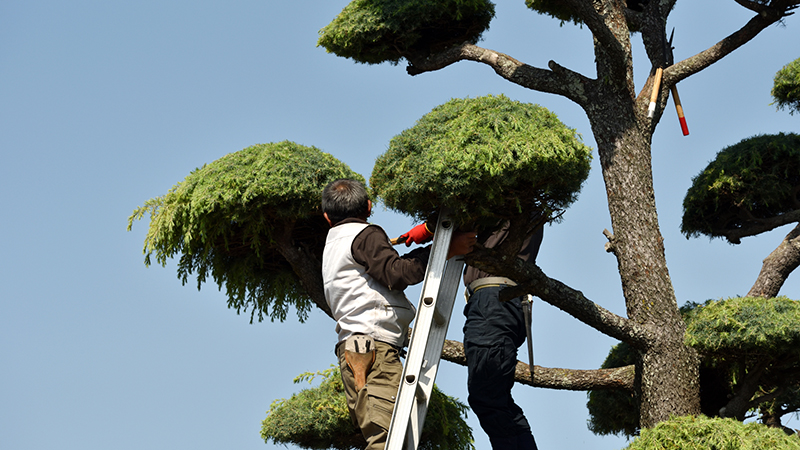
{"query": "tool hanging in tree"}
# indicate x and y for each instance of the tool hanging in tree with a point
(667, 46)
(527, 310)
(674, 89)
(651, 110)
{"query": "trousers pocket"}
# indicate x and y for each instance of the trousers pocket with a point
(381, 404)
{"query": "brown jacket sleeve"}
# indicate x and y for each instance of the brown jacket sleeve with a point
(373, 250)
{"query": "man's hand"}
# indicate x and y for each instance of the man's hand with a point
(462, 243)
(420, 234)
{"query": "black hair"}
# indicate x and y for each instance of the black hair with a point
(343, 199)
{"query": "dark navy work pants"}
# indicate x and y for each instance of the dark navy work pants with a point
(493, 332)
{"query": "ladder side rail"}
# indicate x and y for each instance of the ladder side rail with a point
(443, 305)
(406, 393)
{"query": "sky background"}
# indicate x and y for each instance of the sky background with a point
(106, 104)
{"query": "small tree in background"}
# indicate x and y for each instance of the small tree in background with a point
(786, 87)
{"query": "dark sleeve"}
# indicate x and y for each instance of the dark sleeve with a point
(528, 252)
(373, 250)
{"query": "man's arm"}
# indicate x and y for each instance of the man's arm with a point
(373, 250)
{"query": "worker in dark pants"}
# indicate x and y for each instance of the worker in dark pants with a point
(493, 332)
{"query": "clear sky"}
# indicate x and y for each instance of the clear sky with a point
(105, 104)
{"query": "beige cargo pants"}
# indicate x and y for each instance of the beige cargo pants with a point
(371, 407)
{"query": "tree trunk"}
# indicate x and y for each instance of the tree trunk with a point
(667, 371)
(777, 266)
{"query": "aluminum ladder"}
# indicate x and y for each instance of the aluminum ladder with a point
(439, 289)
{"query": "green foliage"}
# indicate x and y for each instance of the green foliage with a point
(757, 178)
(445, 425)
(228, 219)
(376, 31)
(555, 9)
(317, 418)
(313, 418)
(703, 433)
(488, 157)
(614, 411)
(746, 326)
(786, 87)
(558, 10)
(734, 336)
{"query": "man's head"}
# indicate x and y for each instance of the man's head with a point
(343, 199)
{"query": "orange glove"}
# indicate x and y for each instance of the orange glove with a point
(420, 234)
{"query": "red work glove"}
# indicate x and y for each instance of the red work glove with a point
(420, 234)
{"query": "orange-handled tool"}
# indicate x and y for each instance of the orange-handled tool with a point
(679, 109)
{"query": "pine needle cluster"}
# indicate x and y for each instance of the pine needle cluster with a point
(487, 157)
(376, 31)
(227, 219)
(317, 418)
(786, 87)
(703, 433)
(737, 338)
(748, 326)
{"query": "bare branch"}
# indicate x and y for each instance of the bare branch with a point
(762, 225)
(777, 266)
(771, 14)
(555, 378)
(531, 279)
(558, 80)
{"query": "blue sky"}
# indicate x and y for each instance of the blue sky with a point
(104, 105)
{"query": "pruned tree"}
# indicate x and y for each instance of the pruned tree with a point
(667, 370)
(485, 159)
(754, 343)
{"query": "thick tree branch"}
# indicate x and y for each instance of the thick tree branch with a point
(777, 266)
(531, 279)
(554, 378)
(739, 404)
(763, 225)
(307, 267)
(767, 16)
(558, 80)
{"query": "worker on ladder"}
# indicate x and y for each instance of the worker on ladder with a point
(364, 279)
(493, 331)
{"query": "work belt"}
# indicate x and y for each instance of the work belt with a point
(400, 350)
(485, 282)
